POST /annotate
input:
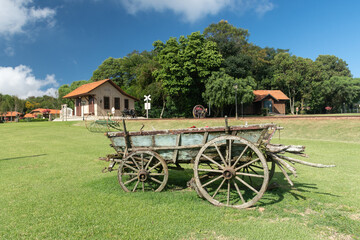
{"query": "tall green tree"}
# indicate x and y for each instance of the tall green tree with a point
(331, 65)
(185, 65)
(230, 39)
(110, 68)
(220, 90)
(291, 76)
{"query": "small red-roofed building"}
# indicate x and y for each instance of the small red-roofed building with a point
(99, 98)
(273, 100)
(10, 116)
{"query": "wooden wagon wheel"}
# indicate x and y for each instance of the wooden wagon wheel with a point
(144, 171)
(199, 111)
(231, 171)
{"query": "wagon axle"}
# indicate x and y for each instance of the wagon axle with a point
(143, 175)
(229, 173)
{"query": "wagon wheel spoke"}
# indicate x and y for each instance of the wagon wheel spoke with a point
(229, 152)
(129, 174)
(221, 156)
(246, 184)
(155, 180)
(210, 170)
(228, 193)
(155, 166)
(143, 186)
(137, 183)
(212, 160)
(252, 170)
(246, 164)
(256, 167)
(134, 169)
(217, 190)
(238, 191)
(131, 180)
(211, 181)
(148, 163)
(242, 153)
(156, 174)
(142, 161)
(135, 163)
(250, 175)
(247, 170)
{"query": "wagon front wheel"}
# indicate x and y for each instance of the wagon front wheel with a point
(143, 171)
(231, 171)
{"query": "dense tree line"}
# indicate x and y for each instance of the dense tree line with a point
(14, 104)
(203, 68)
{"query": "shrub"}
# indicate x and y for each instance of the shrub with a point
(264, 111)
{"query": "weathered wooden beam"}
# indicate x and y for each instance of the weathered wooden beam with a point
(285, 173)
(285, 164)
(318, 165)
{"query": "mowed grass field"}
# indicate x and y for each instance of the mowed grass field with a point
(51, 187)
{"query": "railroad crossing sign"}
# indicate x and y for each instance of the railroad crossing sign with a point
(147, 98)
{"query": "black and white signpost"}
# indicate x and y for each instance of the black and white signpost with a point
(147, 104)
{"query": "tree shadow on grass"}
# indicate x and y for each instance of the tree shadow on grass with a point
(276, 194)
(31, 156)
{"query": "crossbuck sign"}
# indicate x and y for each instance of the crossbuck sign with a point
(147, 104)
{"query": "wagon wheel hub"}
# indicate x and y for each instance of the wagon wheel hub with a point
(229, 173)
(143, 175)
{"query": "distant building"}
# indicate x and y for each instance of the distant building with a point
(42, 112)
(273, 100)
(98, 98)
(10, 116)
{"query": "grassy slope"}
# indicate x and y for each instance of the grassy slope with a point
(51, 187)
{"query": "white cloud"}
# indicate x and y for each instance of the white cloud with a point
(16, 14)
(193, 10)
(20, 81)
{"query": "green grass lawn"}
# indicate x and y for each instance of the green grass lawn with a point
(51, 187)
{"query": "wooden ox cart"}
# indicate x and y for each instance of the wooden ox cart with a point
(232, 164)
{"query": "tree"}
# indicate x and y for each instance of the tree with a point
(185, 65)
(220, 90)
(110, 68)
(230, 39)
(291, 76)
(331, 65)
(340, 91)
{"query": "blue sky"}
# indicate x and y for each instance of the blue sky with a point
(44, 44)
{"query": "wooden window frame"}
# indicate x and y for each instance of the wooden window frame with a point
(117, 104)
(126, 103)
(106, 97)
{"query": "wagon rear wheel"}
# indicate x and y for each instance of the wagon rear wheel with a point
(143, 171)
(231, 171)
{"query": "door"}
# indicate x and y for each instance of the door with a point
(78, 107)
(91, 105)
(268, 105)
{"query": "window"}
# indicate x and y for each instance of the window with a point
(117, 103)
(126, 103)
(106, 103)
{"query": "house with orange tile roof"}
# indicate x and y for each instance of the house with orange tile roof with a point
(44, 112)
(10, 116)
(99, 98)
(273, 100)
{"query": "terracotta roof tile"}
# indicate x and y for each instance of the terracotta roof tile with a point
(41, 110)
(11, 114)
(29, 115)
(261, 94)
(87, 88)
